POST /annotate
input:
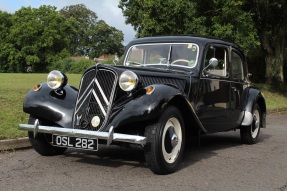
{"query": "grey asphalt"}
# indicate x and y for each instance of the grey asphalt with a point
(220, 163)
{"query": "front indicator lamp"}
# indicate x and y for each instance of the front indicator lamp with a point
(128, 81)
(56, 79)
(149, 90)
(36, 87)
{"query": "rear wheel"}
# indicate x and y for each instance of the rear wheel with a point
(41, 142)
(165, 142)
(249, 134)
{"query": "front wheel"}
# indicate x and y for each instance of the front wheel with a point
(165, 142)
(249, 134)
(41, 143)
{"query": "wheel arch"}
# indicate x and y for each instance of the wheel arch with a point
(191, 121)
(255, 96)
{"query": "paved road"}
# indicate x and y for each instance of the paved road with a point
(221, 163)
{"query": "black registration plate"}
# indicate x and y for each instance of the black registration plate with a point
(75, 142)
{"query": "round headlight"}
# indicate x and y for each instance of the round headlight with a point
(56, 79)
(128, 81)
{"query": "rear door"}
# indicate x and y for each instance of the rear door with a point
(238, 83)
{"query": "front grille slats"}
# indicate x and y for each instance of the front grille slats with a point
(95, 98)
(149, 80)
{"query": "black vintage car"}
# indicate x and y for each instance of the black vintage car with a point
(166, 90)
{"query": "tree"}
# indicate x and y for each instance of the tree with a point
(5, 46)
(91, 37)
(85, 20)
(105, 39)
(270, 18)
(218, 18)
(38, 37)
(248, 23)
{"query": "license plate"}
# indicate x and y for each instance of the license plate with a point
(75, 142)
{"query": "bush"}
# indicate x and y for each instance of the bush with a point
(63, 65)
(81, 65)
(69, 65)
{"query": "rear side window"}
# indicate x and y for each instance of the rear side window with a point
(236, 67)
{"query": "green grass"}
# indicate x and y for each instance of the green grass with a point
(274, 99)
(14, 87)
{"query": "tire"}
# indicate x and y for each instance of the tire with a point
(163, 155)
(249, 135)
(41, 144)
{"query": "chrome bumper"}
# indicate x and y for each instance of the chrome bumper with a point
(109, 136)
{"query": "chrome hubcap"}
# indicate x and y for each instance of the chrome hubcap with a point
(255, 124)
(171, 140)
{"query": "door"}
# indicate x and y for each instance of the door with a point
(213, 101)
(238, 84)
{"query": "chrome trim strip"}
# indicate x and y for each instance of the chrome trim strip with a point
(99, 102)
(102, 92)
(109, 136)
(88, 88)
(77, 109)
(111, 96)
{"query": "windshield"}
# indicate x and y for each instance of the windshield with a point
(163, 55)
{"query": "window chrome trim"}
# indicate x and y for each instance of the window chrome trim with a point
(168, 65)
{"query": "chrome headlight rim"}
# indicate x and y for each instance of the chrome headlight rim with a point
(128, 81)
(56, 80)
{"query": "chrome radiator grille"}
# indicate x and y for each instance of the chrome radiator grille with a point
(95, 98)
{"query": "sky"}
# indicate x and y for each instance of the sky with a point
(106, 10)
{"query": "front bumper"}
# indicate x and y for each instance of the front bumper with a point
(108, 136)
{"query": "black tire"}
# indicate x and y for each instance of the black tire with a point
(249, 134)
(161, 153)
(41, 144)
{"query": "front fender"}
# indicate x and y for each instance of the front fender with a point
(143, 107)
(47, 105)
(251, 96)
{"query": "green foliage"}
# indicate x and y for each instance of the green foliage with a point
(91, 37)
(37, 37)
(34, 37)
(217, 18)
(69, 65)
(248, 23)
(105, 40)
(85, 19)
(81, 65)
(63, 65)
(270, 20)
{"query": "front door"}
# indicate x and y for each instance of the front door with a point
(213, 100)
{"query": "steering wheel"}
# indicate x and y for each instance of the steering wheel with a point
(179, 60)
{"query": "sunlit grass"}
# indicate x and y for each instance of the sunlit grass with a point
(13, 89)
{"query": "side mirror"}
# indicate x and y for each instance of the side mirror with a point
(213, 62)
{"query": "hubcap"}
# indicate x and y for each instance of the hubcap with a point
(255, 124)
(171, 140)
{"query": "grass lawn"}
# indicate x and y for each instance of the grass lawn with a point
(14, 87)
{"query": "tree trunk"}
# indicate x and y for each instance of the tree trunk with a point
(274, 68)
(274, 49)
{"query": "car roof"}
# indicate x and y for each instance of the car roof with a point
(178, 39)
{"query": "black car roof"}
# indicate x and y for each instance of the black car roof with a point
(176, 39)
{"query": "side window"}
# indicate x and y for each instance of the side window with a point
(220, 53)
(236, 67)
